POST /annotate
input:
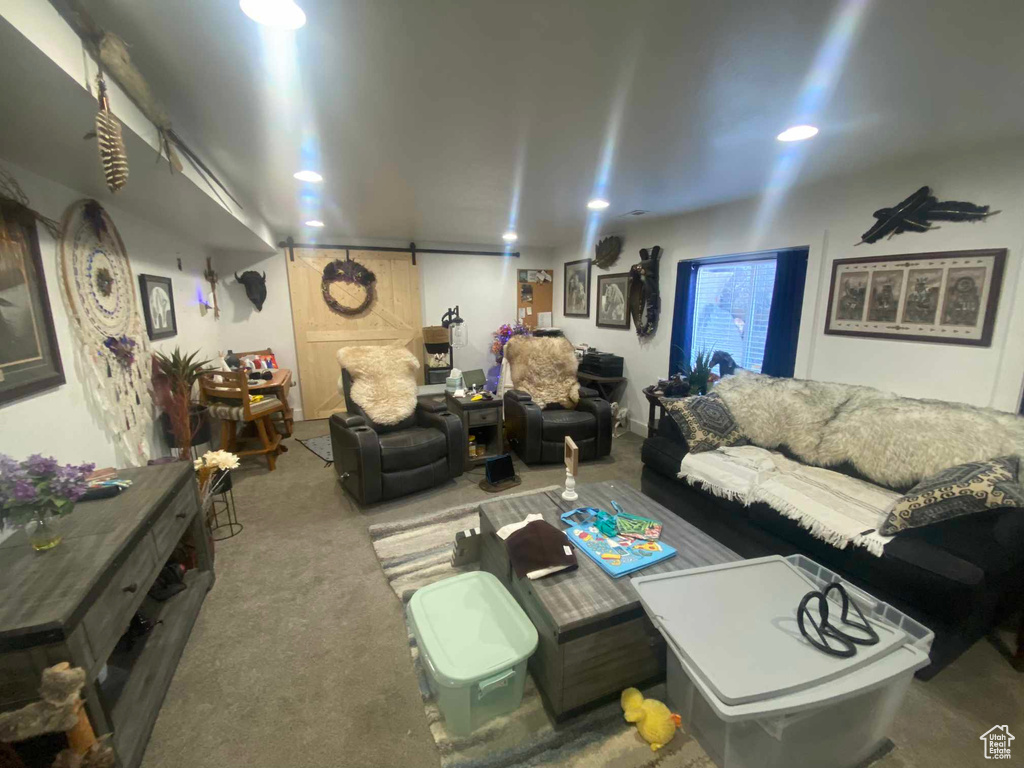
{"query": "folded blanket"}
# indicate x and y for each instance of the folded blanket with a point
(729, 473)
(833, 507)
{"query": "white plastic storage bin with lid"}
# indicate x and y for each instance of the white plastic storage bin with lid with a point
(752, 690)
(474, 641)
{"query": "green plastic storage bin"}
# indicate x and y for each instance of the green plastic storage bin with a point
(474, 641)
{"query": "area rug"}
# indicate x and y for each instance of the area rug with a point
(416, 552)
(321, 446)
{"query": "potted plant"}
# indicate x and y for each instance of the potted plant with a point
(38, 491)
(184, 422)
(699, 374)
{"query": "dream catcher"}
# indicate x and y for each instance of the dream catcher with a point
(352, 273)
(99, 293)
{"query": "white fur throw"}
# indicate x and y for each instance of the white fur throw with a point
(894, 441)
(383, 384)
(545, 368)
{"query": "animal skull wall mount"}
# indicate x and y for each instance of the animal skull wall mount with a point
(255, 287)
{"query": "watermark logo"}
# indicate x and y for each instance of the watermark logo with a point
(997, 742)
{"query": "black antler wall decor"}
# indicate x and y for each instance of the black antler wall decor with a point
(917, 212)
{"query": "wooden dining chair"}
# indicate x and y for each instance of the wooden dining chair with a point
(226, 393)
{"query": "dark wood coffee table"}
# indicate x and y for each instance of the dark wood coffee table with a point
(595, 639)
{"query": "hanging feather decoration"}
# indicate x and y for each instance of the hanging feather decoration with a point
(917, 212)
(108, 135)
(111, 52)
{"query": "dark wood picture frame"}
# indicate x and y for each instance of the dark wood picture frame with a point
(19, 378)
(574, 266)
(602, 280)
(934, 268)
(145, 283)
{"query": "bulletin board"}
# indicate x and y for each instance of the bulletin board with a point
(534, 297)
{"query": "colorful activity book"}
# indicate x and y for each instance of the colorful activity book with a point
(617, 554)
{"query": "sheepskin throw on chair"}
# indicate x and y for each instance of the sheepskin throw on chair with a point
(383, 381)
(545, 368)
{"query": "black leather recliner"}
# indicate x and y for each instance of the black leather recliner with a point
(375, 462)
(537, 435)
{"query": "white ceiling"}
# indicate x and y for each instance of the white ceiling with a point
(427, 115)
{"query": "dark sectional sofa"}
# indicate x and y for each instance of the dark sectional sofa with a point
(956, 577)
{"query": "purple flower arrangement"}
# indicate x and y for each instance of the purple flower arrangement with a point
(39, 484)
(502, 335)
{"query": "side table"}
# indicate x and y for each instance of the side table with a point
(481, 419)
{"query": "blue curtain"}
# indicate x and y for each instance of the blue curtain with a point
(784, 318)
(682, 313)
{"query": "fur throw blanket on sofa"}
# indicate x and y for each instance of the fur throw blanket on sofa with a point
(545, 368)
(383, 384)
(893, 441)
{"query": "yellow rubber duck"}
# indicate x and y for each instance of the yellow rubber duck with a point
(654, 721)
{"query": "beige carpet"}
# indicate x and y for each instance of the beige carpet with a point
(300, 656)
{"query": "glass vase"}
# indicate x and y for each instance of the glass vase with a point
(44, 530)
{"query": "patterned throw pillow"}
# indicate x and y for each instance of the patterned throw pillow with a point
(705, 421)
(960, 490)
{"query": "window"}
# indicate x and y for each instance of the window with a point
(731, 309)
(748, 306)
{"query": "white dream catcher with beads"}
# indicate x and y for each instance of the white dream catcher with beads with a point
(99, 292)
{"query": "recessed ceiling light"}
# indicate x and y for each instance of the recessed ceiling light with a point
(314, 223)
(510, 237)
(597, 204)
(281, 14)
(798, 133)
(312, 176)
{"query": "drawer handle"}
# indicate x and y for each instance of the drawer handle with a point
(131, 588)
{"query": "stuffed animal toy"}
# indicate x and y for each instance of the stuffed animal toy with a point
(654, 722)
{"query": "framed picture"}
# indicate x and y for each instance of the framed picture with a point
(29, 356)
(613, 301)
(948, 298)
(576, 301)
(158, 306)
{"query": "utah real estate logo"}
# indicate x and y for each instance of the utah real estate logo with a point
(997, 742)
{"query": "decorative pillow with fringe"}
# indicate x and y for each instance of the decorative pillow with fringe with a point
(383, 381)
(705, 421)
(545, 368)
(962, 490)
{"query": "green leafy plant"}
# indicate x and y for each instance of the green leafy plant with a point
(699, 374)
(174, 378)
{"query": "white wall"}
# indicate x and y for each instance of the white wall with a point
(829, 218)
(484, 287)
(242, 328)
(58, 421)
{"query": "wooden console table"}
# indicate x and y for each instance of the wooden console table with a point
(75, 601)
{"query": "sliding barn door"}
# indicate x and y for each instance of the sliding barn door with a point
(393, 319)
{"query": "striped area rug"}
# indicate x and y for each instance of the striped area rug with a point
(417, 552)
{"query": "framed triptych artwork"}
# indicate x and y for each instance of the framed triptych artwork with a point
(948, 298)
